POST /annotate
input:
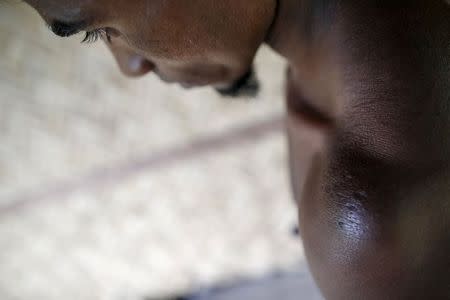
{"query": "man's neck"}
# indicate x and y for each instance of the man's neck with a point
(301, 33)
(282, 35)
(295, 26)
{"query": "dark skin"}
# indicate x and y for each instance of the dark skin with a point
(367, 93)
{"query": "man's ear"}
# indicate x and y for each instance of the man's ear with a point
(246, 86)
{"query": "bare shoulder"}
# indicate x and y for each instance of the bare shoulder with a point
(376, 205)
(394, 63)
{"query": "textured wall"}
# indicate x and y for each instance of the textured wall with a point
(114, 189)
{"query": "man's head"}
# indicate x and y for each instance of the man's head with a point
(191, 42)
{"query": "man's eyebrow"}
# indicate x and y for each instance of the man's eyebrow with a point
(63, 29)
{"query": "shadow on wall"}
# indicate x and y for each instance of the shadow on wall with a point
(280, 286)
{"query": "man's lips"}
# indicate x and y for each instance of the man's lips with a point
(186, 83)
(246, 85)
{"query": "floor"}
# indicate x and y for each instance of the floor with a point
(121, 189)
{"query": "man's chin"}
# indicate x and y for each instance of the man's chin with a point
(245, 86)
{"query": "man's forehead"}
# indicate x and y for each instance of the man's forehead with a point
(67, 10)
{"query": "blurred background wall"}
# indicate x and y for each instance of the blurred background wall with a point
(112, 188)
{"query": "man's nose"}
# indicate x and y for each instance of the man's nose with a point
(135, 65)
(130, 63)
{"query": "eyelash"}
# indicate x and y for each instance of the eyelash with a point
(95, 35)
